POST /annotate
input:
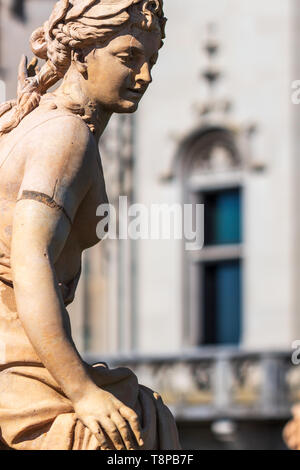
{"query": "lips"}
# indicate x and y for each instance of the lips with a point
(137, 92)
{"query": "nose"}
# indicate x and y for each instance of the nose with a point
(145, 74)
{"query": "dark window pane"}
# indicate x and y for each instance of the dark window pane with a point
(222, 303)
(222, 217)
(18, 9)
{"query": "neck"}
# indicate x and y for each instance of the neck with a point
(72, 94)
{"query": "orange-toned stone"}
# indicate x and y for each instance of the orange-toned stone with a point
(51, 184)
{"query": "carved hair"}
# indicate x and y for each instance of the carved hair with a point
(74, 25)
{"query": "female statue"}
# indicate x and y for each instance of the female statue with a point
(51, 184)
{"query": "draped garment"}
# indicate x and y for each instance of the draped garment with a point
(35, 414)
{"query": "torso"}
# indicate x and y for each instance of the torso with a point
(13, 157)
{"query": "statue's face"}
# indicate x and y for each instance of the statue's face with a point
(119, 73)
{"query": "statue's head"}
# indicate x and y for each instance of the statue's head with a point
(112, 44)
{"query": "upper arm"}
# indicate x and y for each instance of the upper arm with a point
(57, 177)
(58, 167)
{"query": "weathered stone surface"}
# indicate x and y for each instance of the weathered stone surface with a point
(51, 184)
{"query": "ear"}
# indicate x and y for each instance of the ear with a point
(79, 59)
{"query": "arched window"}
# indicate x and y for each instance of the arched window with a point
(211, 174)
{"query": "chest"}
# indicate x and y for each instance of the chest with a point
(87, 217)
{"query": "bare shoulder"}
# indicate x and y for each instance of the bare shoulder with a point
(64, 133)
(61, 143)
(61, 159)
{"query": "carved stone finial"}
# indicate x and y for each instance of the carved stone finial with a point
(211, 75)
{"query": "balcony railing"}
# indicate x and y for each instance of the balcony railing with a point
(210, 384)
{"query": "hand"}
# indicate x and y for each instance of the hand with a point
(104, 415)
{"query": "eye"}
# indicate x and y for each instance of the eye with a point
(124, 56)
(127, 58)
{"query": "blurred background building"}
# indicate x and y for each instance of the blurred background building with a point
(212, 330)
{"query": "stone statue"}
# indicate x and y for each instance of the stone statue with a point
(291, 432)
(51, 184)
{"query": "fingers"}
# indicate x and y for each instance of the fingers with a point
(22, 73)
(124, 431)
(112, 431)
(133, 420)
(95, 429)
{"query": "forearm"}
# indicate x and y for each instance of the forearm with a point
(45, 321)
(44, 317)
